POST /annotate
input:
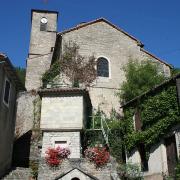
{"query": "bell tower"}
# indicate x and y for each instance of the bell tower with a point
(42, 42)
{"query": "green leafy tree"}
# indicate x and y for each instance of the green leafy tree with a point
(21, 72)
(77, 68)
(175, 71)
(140, 77)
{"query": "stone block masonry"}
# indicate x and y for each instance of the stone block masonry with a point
(41, 48)
(108, 172)
(69, 139)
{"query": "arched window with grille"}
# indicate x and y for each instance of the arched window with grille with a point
(102, 67)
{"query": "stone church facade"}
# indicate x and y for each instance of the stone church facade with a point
(99, 38)
(112, 48)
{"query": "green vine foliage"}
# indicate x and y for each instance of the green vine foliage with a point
(159, 113)
(50, 74)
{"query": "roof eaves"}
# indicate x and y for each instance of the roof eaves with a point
(56, 91)
(8, 64)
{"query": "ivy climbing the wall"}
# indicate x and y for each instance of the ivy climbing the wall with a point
(158, 114)
(50, 74)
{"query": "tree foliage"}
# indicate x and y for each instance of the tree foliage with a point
(51, 73)
(159, 113)
(76, 67)
(175, 71)
(140, 77)
(21, 72)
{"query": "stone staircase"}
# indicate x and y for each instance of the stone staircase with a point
(18, 173)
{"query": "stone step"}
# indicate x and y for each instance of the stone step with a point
(18, 173)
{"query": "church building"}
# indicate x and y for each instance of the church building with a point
(111, 46)
(63, 112)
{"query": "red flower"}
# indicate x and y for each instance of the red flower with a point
(55, 156)
(100, 156)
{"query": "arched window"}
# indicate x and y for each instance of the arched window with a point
(75, 178)
(102, 67)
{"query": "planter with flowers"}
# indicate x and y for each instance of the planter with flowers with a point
(55, 156)
(99, 155)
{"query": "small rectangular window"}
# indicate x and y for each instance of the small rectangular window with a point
(62, 144)
(43, 27)
(6, 92)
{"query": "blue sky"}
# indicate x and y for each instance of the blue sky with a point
(155, 22)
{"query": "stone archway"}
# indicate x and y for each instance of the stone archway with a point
(75, 178)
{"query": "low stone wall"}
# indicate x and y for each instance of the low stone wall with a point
(25, 113)
(106, 173)
(72, 140)
(27, 131)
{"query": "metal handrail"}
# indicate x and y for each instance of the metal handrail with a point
(102, 127)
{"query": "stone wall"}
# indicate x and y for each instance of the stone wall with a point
(102, 40)
(72, 140)
(106, 173)
(7, 121)
(41, 48)
(157, 162)
(62, 112)
(25, 112)
(28, 135)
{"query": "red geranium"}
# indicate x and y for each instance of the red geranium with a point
(56, 155)
(100, 156)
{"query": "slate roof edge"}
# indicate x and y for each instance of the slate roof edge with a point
(14, 75)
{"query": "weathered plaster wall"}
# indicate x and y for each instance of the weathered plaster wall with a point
(27, 132)
(102, 40)
(157, 161)
(62, 112)
(72, 139)
(7, 123)
(177, 136)
(25, 113)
